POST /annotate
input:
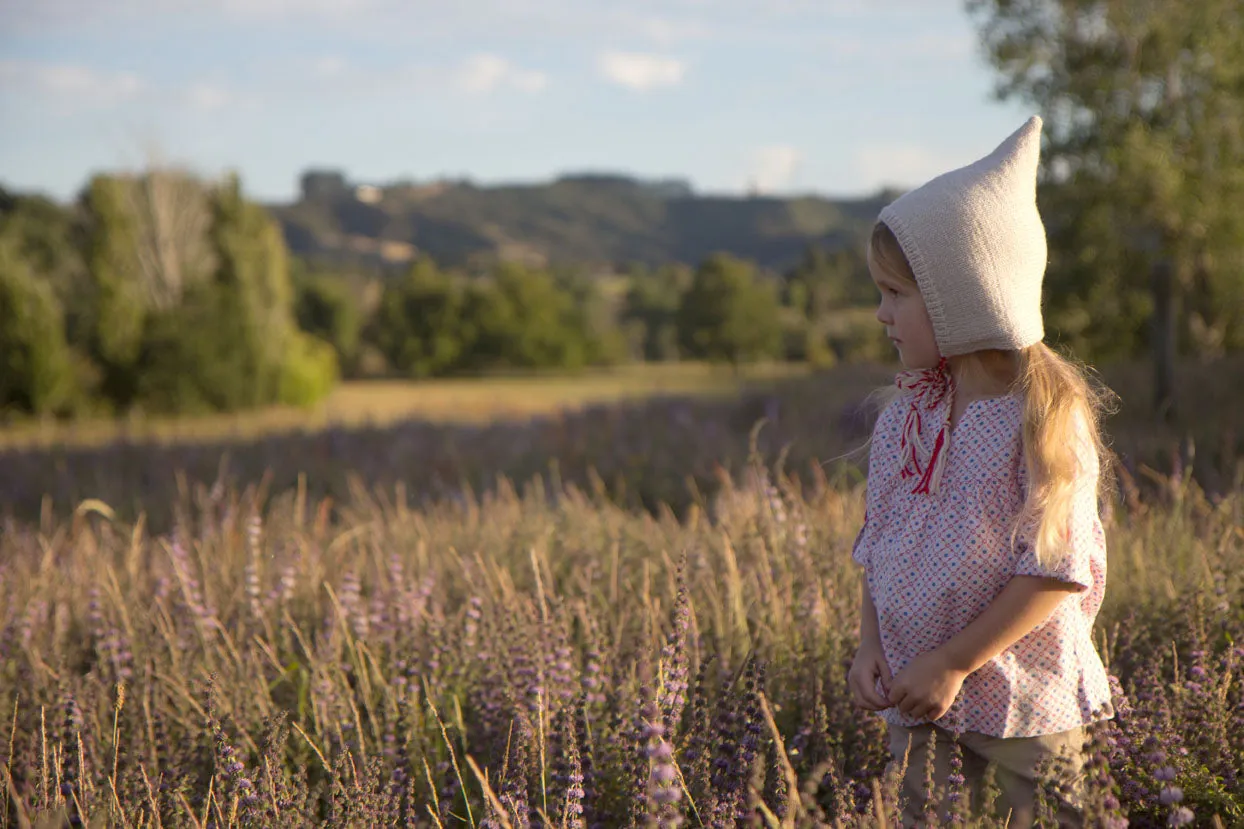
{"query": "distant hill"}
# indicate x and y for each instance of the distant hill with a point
(602, 220)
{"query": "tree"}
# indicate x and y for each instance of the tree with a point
(592, 317)
(421, 326)
(1144, 105)
(116, 306)
(199, 355)
(309, 371)
(651, 304)
(179, 299)
(1094, 303)
(36, 364)
(47, 235)
(817, 292)
(325, 308)
(523, 319)
(729, 314)
(826, 281)
(253, 264)
(229, 340)
(171, 219)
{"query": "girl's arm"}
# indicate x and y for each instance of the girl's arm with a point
(1023, 604)
(870, 628)
(928, 685)
(869, 667)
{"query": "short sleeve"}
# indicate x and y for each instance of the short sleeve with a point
(1083, 535)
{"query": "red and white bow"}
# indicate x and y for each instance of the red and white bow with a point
(930, 388)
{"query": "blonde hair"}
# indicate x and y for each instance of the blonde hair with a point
(1062, 437)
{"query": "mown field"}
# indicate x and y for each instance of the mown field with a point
(382, 402)
(633, 613)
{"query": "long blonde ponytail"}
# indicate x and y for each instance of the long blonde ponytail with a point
(1063, 446)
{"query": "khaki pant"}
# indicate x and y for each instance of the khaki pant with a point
(1016, 763)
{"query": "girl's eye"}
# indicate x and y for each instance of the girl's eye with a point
(891, 291)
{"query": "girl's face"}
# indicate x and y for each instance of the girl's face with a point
(906, 320)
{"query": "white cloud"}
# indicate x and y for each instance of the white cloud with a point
(330, 66)
(666, 31)
(73, 85)
(70, 89)
(774, 167)
(285, 9)
(640, 71)
(529, 80)
(208, 97)
(485, 73)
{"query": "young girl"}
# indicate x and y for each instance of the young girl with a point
(983, 551)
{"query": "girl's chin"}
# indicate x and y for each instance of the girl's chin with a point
(918, 365)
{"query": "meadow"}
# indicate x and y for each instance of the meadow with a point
(636, 612)
(380, 402)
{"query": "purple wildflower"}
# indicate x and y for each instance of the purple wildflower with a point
(1181, 816)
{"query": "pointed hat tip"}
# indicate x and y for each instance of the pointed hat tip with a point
(1031, 129)
(1025, 141)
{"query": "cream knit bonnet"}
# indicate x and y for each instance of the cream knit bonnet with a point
(976, 244)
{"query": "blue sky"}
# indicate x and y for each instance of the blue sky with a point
(837, 97)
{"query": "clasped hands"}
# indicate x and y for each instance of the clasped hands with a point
(925, 689)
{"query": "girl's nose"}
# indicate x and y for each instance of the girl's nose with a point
(883, 314)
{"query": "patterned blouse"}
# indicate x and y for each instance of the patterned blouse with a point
(934, 562)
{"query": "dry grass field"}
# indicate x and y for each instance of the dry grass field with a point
(381, 402)
(607, 600)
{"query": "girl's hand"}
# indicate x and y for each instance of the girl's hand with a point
(868, 667)
(926, 688)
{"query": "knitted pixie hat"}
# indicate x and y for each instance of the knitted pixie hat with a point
(976, 244)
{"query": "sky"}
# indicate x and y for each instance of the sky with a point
(835, 97)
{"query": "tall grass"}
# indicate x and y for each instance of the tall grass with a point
(544, 656)
(376, 626)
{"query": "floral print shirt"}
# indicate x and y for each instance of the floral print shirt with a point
(934, 562)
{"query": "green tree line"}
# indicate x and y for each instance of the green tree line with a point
(164, 293)
(434, 321)
(168, 294)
